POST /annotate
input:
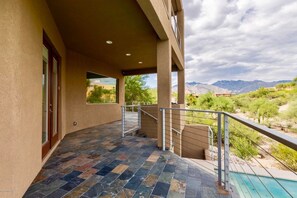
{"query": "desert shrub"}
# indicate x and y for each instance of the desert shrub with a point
(243, 140)
(291, 113)
(263, 109)
(280, 101)
(211, 102)
(285, 154)
(261, 92)
(243, 148)
(223, 104)
(241, 101)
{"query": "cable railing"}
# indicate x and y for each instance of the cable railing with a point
(241, 154)
(131, 119)
(238, 143)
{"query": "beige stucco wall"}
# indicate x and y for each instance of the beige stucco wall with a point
(21, 32)
(149, 126)
(88, 115)
(156, 13)
(22, 23)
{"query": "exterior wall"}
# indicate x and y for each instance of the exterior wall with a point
(178, 123)
(88, 115)
(21, 32)
(168, 49)
(195, 141)
(156, 12)
(148, 124)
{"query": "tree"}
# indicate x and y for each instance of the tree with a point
(95, 96)
(211, 102)
(206, 101)
(191, 100)
(223, 104)
(268, 110)
(136, 90)
(263, 108)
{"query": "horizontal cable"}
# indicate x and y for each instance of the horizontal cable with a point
(256, 176)
(191, 116)
(168, 126)
(264, 150)
(242, 182)
(268, 172)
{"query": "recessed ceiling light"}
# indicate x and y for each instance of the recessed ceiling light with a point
(140, 62)
(128, 54)
(109, 42)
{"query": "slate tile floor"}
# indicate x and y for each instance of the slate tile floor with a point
(96, 162)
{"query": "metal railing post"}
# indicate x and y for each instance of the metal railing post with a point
(163, 130)
(123, 120)
(226, 153)
(219, 150)
(139, 116)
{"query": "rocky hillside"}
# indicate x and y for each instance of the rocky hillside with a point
(240, 86)
(198, 89)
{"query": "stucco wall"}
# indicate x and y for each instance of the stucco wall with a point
(21, 32)
(88, 115)
(148, 124)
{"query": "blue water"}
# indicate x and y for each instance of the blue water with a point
(259, 186)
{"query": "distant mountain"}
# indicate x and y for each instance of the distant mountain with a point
(240, 86)
(199, 88)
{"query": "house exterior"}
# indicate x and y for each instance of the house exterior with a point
(46, 49)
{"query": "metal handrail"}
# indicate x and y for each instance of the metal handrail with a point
(211, 141)
(150, 115)
(130, 106)
(195, 110)
(177, 131)
(282, 138)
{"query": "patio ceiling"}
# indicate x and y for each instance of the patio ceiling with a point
(86, 26)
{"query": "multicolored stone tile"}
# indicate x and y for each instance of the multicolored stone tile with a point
(97, 162)
(120, 169)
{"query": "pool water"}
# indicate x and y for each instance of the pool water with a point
(260, 186)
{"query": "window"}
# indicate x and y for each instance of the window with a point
(101, 89)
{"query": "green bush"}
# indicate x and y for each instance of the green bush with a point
(261, 92)
(243, 148)
(291, 113)
(211, 102)
(285, 154)
(263, 109)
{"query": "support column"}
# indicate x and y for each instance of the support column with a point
(181, 86)
(164, 67)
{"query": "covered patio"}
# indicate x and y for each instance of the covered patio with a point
(97, 162)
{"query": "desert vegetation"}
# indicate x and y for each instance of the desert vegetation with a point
(274, 107)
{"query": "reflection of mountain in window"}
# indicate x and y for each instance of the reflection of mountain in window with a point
(101, 89)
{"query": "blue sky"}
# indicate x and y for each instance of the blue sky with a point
(240, 40)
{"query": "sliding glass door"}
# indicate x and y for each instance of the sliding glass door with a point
(50, 96)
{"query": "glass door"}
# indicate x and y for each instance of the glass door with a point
(45, 101)
(50, 97)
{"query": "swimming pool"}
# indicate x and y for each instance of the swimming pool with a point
(260, 186)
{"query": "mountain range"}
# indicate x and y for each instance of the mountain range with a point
(240, 86)
(227, 86)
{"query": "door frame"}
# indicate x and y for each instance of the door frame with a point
(52, 53)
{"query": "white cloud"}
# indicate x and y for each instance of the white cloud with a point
(241, 39)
